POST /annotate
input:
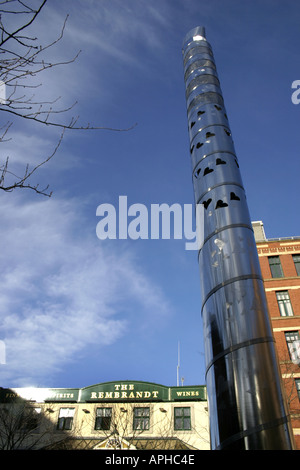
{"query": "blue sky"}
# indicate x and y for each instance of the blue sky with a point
(76, 310)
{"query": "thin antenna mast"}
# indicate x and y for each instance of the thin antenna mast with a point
(178, 364)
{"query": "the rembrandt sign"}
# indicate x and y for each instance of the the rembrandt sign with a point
(121, 391)
(141, 391)
(106, 392)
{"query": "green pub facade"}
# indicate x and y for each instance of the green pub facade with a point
(110, 415)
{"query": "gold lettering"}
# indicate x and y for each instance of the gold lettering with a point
(11, 395)
(192, 393)
(121, 391)
(63, 395)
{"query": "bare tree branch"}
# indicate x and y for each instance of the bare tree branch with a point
(21, 59)
(22, 181)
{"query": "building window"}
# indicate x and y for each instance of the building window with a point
(296, 259)
(297, 381)
(103, 419)
(65, 419)
(141, 419)
(293, 344)
(275, 266)
(284, 303)
(182, 418)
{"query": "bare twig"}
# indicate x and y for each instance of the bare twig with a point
(22, 58)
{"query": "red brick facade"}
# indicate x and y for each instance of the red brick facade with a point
(283, 288)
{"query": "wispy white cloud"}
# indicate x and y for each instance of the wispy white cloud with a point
(121, 24)
(109, 33)
(61, 290)
(33, 148)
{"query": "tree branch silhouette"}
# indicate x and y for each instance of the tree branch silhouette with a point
(21, 59)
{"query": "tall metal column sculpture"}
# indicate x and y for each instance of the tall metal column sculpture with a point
(246, 402)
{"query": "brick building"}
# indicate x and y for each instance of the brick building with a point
(280, 265)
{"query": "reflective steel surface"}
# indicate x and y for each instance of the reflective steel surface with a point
(246, 400)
